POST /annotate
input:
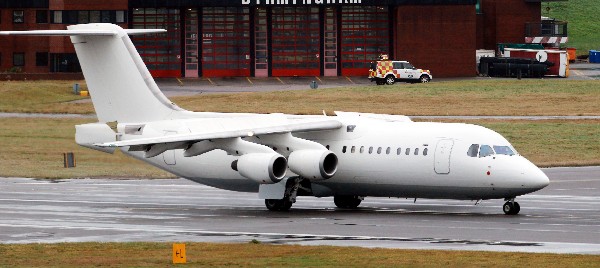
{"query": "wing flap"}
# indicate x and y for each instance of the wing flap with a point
(246, 132)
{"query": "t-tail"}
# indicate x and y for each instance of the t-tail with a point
(121, 87)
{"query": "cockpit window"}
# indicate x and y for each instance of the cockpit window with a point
(505, 150)
(485, 150)
(473, 150)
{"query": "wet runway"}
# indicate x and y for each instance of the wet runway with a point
(563, 218)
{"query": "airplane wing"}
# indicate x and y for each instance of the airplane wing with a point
(302, 126)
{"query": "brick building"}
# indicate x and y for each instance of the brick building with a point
(214, 38)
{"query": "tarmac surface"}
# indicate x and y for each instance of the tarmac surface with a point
(562, 218)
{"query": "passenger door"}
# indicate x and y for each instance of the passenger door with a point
(443, 150)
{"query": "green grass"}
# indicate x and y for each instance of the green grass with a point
(584, 25)
(33, 147)
(265, 255)
(40, 97)
(464, 97)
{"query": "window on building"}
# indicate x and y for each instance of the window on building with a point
(120, 16)
(18, 59)
(94, 16)
(84, 16)
(18, 16)
(64, 63)
(41, 59)
(57, 16)
(105, 16)
(41, 16)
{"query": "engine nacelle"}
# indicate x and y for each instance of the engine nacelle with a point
(313, 164)
(261, 167)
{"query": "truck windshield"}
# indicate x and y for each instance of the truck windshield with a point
(408, 66)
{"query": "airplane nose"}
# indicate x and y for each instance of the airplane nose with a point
(537, 179)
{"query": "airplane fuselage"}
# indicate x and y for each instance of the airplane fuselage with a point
(379, 158)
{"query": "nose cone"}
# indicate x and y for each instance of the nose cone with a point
(536, 179)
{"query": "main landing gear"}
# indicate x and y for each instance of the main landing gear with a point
(347, 201)
(278, 204)
(511, 207)
(289, 196)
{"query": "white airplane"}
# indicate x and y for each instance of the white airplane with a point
(348, 156)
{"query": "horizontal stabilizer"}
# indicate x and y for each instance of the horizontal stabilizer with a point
(87, 32)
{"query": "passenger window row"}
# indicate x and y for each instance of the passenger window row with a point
(381, 150)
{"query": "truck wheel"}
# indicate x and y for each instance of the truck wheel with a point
(390, 80)
(424, 79)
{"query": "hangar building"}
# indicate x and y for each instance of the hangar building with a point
(261, 38)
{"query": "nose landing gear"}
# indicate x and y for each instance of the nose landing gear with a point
(511, 207)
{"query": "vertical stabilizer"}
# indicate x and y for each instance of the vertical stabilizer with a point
(121, 86)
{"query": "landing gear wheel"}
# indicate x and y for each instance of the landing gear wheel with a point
(390, 80)
(278, 204)
(511, 208)
(347, 201)
(424, 79)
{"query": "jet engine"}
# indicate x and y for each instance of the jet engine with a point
(264, 168)
(313, 164)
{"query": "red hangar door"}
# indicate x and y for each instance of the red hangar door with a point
(225, 41)
(160, 52)
(295, 44)
(365, 35)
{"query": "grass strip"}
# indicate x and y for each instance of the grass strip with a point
(33, 147)
(482, 96)
(265, 255)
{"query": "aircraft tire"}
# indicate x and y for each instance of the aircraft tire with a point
(278, 204)
(347, 201)
(511, 208)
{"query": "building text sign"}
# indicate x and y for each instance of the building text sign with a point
(299, 2)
